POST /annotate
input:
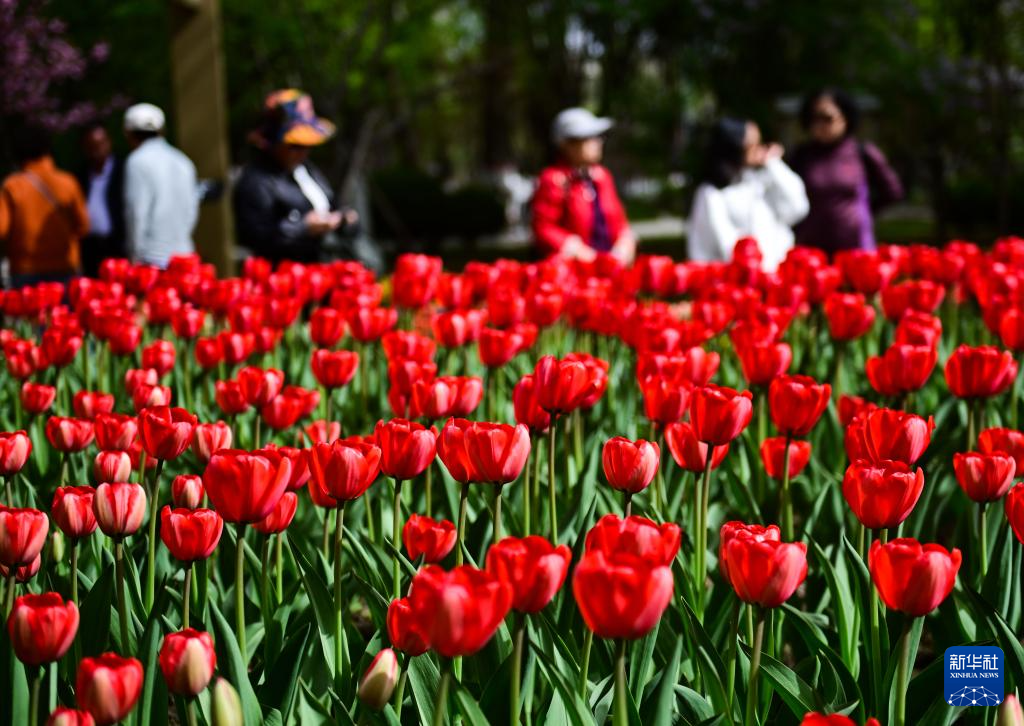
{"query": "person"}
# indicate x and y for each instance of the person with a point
(161, 199)
(746, 190)
(576, 210)
(102, 181)
(284, 206)
(847, 180)
(42, 214)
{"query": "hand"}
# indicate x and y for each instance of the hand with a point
(319, 224)
(773, 151)
(349, 218)
(574, 249)
(624, 249)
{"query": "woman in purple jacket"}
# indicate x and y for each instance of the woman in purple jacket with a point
(847, 179)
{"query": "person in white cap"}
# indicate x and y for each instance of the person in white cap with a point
(161, 201)
(576, 210)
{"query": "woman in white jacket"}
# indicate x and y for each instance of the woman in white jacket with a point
(746, 191)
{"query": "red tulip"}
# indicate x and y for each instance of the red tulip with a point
(630, 466)
(407, 448)
(69, 434)
(882, 494)
(89, 404)
(112, 466)
(598, 371)
(561, 386)
(245, 487)
(849, 316)
(187, 321)
(60, 345)
(285, 410)
(1003, 441)
(125, 339)
(260, 386)
(370, 323)
(119, 508)
(280, 517)
(230, 397)
(166, 432)
(527, 406)
(888, 434)
(445, 396)
(187, 661)
(497, 347)
(190, 534)
(209, 438)
(456, 328)
(415, 279)
(22, 535)
(451, 449)
(911, 577)
(323, 432)
(151, 396)
(533, 567)
(918, 329)
(404, 630)
(901, 369)
(334, 369)
(63, 716)
(115, 431)
(15, 449)
(1015, 511)
(187, 491)
(424, 537)
(42, 627)
(852, 406)
(732, 530)
(984, 477)
(136, 378)
(665, 401)
(108, 686)
(773, 451)
(765, 571)
(979, 372)
(403, 344)
(36, 398)
(719, 414)
(300, 463)
(209, 352)
(621, 595)
(764, 362)
(796, 403)
(635, 536)
(544, 304)
(497, 451)
(379, 680)
(25, 572)
(689, 452)
(326, 326)
(920, 295)
(817, 719)
(343, 470)
(159, 355)
(458, 611)
(72, 511)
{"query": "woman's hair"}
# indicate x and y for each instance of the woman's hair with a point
(30, 142)
(725, 153)
(847, 107)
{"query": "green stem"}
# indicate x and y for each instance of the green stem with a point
(74, 571)
(190, 711)
(460, 535)
(983, 538)
(535, 498)
(186, 596)
(588, 643)
(122, 607)
(256, 429)
(755, 667)
(396, 532)
(876, 651)
(527, 503)
(325, 540)
(37, 679)
(902, 675)
(441, 702)
(621, 713)
(429, 489)
(497, 513)
(787, 503)
(552, 506)
(627, 504)
(7, 489)
(400, 690)
(733, 645)
(577, 438)
(279, 565)
(517, 666)
(700, 576)
(371, 526)
(154, 504)
(339, 634)
(240, 592)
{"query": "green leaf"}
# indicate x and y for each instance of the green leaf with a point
(323, 606)
(230, 661)
(424, 678)
(664, 703)
(793, 690)
(281, 680)
(154, 689)
(98, 613)
(469, 709)
(710, 663)
(14, 684)
(1013, 651)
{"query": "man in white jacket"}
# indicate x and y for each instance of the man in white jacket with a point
(161, 201)
(747, 191)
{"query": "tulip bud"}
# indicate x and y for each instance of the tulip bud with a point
(108, 686)
(42, 627)
(119, 508)
(379, 681)
(187, 661)
(187, 491)
(70, 717)
(227, 707)
(57, 545)
(1010, 713)
(112, 466)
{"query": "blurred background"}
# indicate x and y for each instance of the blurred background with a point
(443, 107)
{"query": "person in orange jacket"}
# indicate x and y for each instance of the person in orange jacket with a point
(576, 210)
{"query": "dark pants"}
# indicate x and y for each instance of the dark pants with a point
(95, 249)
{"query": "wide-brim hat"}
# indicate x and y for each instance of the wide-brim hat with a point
(289, 118)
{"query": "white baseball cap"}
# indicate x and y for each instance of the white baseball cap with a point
(578, 123)
(144, 117)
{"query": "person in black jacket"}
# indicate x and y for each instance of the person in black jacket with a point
(102, 182)
(285, 208)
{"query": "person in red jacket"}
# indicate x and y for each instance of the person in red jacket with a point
(576, 211)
